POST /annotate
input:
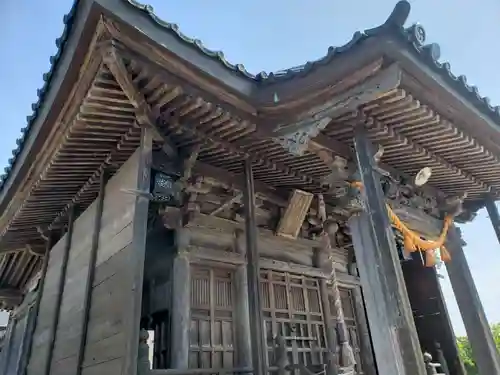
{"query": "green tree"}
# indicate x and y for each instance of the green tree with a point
(465, 350)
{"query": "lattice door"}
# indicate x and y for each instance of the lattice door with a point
(212, 330)
(348, 307)
(292, 308)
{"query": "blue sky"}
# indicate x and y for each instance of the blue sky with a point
(272, 35)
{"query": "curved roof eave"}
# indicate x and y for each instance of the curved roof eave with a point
(413, 37)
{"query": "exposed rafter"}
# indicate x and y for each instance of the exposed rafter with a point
(117, 66)
(12, 295)
(129, 137)
(144, 113)
(419, 149)
(295, 136)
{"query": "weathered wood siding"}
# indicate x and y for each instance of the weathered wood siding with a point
(105, 336)
(211, 235)
(105, 347)
(69, 329)
(41, 337)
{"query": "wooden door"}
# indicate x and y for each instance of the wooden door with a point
(212, 330)
(291, 308)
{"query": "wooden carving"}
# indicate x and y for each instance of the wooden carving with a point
(398, 190)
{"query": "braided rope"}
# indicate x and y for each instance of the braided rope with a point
(413, 242)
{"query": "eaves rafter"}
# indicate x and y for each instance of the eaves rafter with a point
(118, 68)
(422, 150)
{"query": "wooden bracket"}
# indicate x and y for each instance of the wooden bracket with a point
(144, 113)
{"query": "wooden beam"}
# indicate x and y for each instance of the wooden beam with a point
(94, 246)
(492, 209)
(212, 174)
(417, 220)
(242, 306)
(373, 88)
(11, 294)
(181, 302)
(60, 290)
(395, 340)
(144, 114)
(35, 249)
(476, 324)
(238, 148)
(227, 204)
(135, 279)
(420, 149)
(253, 274)
(36, 308)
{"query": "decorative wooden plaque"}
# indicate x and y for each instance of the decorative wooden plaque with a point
(294, 215)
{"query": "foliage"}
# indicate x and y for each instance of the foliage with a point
(465, 350)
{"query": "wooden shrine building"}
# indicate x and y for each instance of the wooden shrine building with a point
(266, 223)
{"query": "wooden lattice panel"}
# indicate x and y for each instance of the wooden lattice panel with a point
(292, 308)
(212, 329)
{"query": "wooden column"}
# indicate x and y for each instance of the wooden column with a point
(36, 307)
(242, 321)
(181, 303)
(91, 270)
(477, 327)
(253, 269)
(7, 344)
(60, 291)
(137, 256)
(368, 362)
(395, 340)
(492, 209)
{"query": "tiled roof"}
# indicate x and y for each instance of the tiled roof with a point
(413, 36)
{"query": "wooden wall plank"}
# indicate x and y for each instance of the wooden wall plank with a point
(60, 290)
(138, 254)
(106, 334)
(41, 336)
(108, 297)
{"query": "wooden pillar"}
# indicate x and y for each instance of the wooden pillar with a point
(181, 303)
(60, 291)
(91, 270)
(395, 340)
(492, 209)
(477, 327)
(242, 321)
(7, 344)
(367, 360)
(137, 256)
(259, 351)
(36, 307)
